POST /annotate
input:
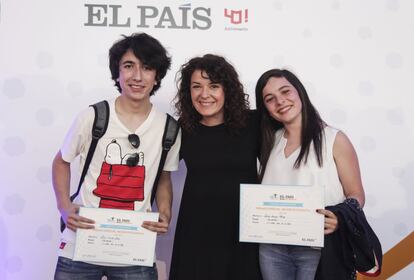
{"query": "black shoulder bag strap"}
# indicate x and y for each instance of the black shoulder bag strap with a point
(168, 140)
(100, 124)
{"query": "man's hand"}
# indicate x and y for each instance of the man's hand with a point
(72, 219)
(159, 227)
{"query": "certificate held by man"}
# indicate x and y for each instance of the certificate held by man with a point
(118, 237)
(282, 214)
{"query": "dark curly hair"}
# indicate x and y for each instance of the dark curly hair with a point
(236, 104)
(147, 49)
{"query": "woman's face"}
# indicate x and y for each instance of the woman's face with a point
(282, 101)
(207, 98)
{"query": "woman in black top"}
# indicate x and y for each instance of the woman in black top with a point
(220, 145)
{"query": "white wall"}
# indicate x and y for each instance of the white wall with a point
(355, 58)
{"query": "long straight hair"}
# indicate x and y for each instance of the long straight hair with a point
(312, 124)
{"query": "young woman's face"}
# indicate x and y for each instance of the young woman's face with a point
(282, 101)
(207, 98)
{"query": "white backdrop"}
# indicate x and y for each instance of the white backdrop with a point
(355, 58)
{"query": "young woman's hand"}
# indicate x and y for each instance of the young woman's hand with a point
(331, 221)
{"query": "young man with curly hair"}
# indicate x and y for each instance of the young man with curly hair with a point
(131, 145)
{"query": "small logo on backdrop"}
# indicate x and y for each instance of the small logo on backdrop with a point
(237, 18)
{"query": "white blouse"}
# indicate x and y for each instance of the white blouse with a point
(280, 170)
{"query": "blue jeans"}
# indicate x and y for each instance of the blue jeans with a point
(288, 262)
(68, 269)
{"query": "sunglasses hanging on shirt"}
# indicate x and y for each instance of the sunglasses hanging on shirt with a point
(134, 141)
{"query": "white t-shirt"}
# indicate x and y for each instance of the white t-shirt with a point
(280, 170)
(110, 182)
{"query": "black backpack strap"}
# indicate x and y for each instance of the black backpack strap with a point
(168, 140)
(100, 124)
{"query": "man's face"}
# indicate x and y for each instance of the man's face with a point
(135, 78)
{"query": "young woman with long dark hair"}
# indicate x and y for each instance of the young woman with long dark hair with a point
(299, 148)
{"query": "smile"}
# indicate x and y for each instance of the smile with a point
(284, 109)
(136, 86)
(205, 103)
